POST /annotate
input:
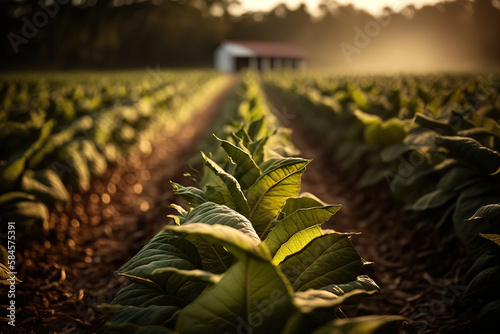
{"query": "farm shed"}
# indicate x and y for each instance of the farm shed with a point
(232, 56)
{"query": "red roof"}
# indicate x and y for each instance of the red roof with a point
(272, 49)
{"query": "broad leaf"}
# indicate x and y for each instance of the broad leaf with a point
(435, 199)
(46, 186)
(15, 196)
(278, 182)
(193, 196)
(472, 152)
(299, 221)
(211, 214)
(362, 282)
(236, 242)
(489, 213)
(316, 308)
(11, 172)
(252, 296)
(201, 275)
(164, 250)
(233, 195)
(27, 213)
(485, 261)
(440, 127)
(247, 170)
(326, 259)
(303, 201)
(485, 286)
(214, 257)
(6, 276)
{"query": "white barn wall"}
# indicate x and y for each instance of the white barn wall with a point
(225, 56)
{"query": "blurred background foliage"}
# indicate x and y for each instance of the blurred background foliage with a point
(184, 33)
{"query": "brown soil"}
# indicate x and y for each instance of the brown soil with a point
(69, 269)
(418, 269)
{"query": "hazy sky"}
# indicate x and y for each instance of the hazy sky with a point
(373, 6)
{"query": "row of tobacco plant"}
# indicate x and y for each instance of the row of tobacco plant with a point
(248, 254)
(434, 140)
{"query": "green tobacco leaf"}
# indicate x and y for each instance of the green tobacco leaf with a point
(392, 152)
(96, 161)
(359, 97)
(214, 257)
(362, 282)
(247, 171)
(27, 213)
(257, 149)
(252, 296)
(140, 295)
(164, 250)
(303, 201)
(378, 132)
(10, 173)
(218, 195)
(201, 275)
(371, 324)
(440, 127)
(15, 196)
(138, 316)
(492, 237)
(255, 128)
(328, 259)
(281, 236)
(485, 286)
(229, 188)
(279, 181)
(435, 199)
(316, 308)
(458, 178)
(485, 261)
(312, 300)
(236, 242)
(78, 164)
(211, 214)
(387, 133)
(193, 196)
(6, 277)
(489, 213)
(467, 230)
(296, 242)
(472, 152)
(60, 139)
(372, 176)
(46, 186)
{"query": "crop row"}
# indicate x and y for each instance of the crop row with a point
(433, 140)
(248, 254)
(54, 140)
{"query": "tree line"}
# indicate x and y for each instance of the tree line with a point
(184, 33)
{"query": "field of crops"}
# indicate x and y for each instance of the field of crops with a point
(259, 237)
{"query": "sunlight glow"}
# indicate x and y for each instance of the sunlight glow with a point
(372, 6)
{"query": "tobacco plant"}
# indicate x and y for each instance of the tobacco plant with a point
(248, 255)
